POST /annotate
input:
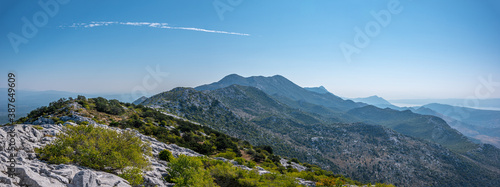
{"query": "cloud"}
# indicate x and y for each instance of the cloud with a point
(148, 24)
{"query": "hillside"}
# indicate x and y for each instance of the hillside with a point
(482, 125)
(406, 122)
(323, 107)
(361, 151)
(78, 142)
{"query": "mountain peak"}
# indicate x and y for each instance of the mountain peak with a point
(320, 89)
(140, 100)
(280, 87)
(233, 76)
(373, 100)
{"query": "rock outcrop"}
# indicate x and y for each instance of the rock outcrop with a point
(33, 172)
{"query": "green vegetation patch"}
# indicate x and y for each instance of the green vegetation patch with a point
(99, 148)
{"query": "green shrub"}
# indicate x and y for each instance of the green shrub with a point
(38, 127)
(97, 148)
(250, 164)
(241, 161)
(188, 171)
(166, 155)
(133, 175)
(83, 123)
(226, 175)
(229, 154)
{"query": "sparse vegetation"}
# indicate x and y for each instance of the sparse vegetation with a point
(98, 148)
(80, 145)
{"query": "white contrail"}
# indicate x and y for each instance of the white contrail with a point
(148, 24)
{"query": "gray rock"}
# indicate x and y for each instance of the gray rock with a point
(5, 180)
(42, 120)
(107, 179)
(305, 182)
(284, 162)
(261, 170)
(33, 179)
(67, 171)
(84, 178)
(70, 123)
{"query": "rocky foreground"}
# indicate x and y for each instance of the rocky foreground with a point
(29, 171)
(34, 173)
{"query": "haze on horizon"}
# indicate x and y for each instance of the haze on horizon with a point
(424, 49)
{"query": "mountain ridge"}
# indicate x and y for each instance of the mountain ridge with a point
(314, 136)
(278, 85)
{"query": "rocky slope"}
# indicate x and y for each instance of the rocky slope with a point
(361, 151)
(33, 172)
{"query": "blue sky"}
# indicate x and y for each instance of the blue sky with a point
(428, 49)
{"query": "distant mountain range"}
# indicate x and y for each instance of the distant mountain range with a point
(278, 86)
(483, 125)
(367, 139)
(484, 104)
(361, 141)
(378, 102)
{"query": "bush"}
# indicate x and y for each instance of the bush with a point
(166, 155)
(229, 154)
(188, 171)
(38, 127)
(267, 148)
(110, 107)
(97, 148)
(133, 175)
(250, 164)
(241, 161)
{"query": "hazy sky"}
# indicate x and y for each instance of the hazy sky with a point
(426, 49)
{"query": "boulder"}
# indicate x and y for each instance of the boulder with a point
(33, 179)
(84, 178)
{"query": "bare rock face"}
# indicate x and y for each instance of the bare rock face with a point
(36, 173)
(32, 172)
(294, 165)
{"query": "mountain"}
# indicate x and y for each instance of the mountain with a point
(483, 104)
(378, 102)
(373, 100)
(483, 118)
(483, 125)
(139, 100)
(327, 106)
(366, 152)
(104, 142)
(430, 128)
(320, 90)
(278, 87)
